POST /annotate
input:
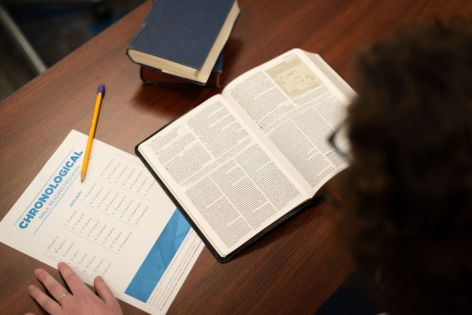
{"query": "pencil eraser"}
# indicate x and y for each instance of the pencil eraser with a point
(101, 88)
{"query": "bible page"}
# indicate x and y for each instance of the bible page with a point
(296, 100)
(224, 177)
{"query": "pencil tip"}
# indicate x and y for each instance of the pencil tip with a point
(82, 177)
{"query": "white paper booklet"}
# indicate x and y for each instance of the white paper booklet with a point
(118, 224)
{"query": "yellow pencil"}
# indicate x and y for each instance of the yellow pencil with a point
(93, 127)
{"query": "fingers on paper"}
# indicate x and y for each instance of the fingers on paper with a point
(50, 283)
(47, 303)
(71, 278)
(104, 291)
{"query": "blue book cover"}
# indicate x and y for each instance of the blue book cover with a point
(182, 31)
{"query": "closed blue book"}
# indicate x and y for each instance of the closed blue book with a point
(184, 37)
(155, 76)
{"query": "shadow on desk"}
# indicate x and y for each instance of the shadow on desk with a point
(351, 298)
(149, 98)
(286, 228)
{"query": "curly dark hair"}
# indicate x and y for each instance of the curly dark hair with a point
(408, 189)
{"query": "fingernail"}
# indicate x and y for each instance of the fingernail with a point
(61, 266)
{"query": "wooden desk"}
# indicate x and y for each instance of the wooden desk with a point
(290, 271)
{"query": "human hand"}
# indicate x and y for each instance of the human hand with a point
(80, 299)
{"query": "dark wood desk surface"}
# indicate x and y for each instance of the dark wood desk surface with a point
(294, 268)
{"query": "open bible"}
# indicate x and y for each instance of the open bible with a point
(247, 159)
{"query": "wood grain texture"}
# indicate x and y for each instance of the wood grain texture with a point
(294, 268)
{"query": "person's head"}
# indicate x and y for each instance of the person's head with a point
(409, 186)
